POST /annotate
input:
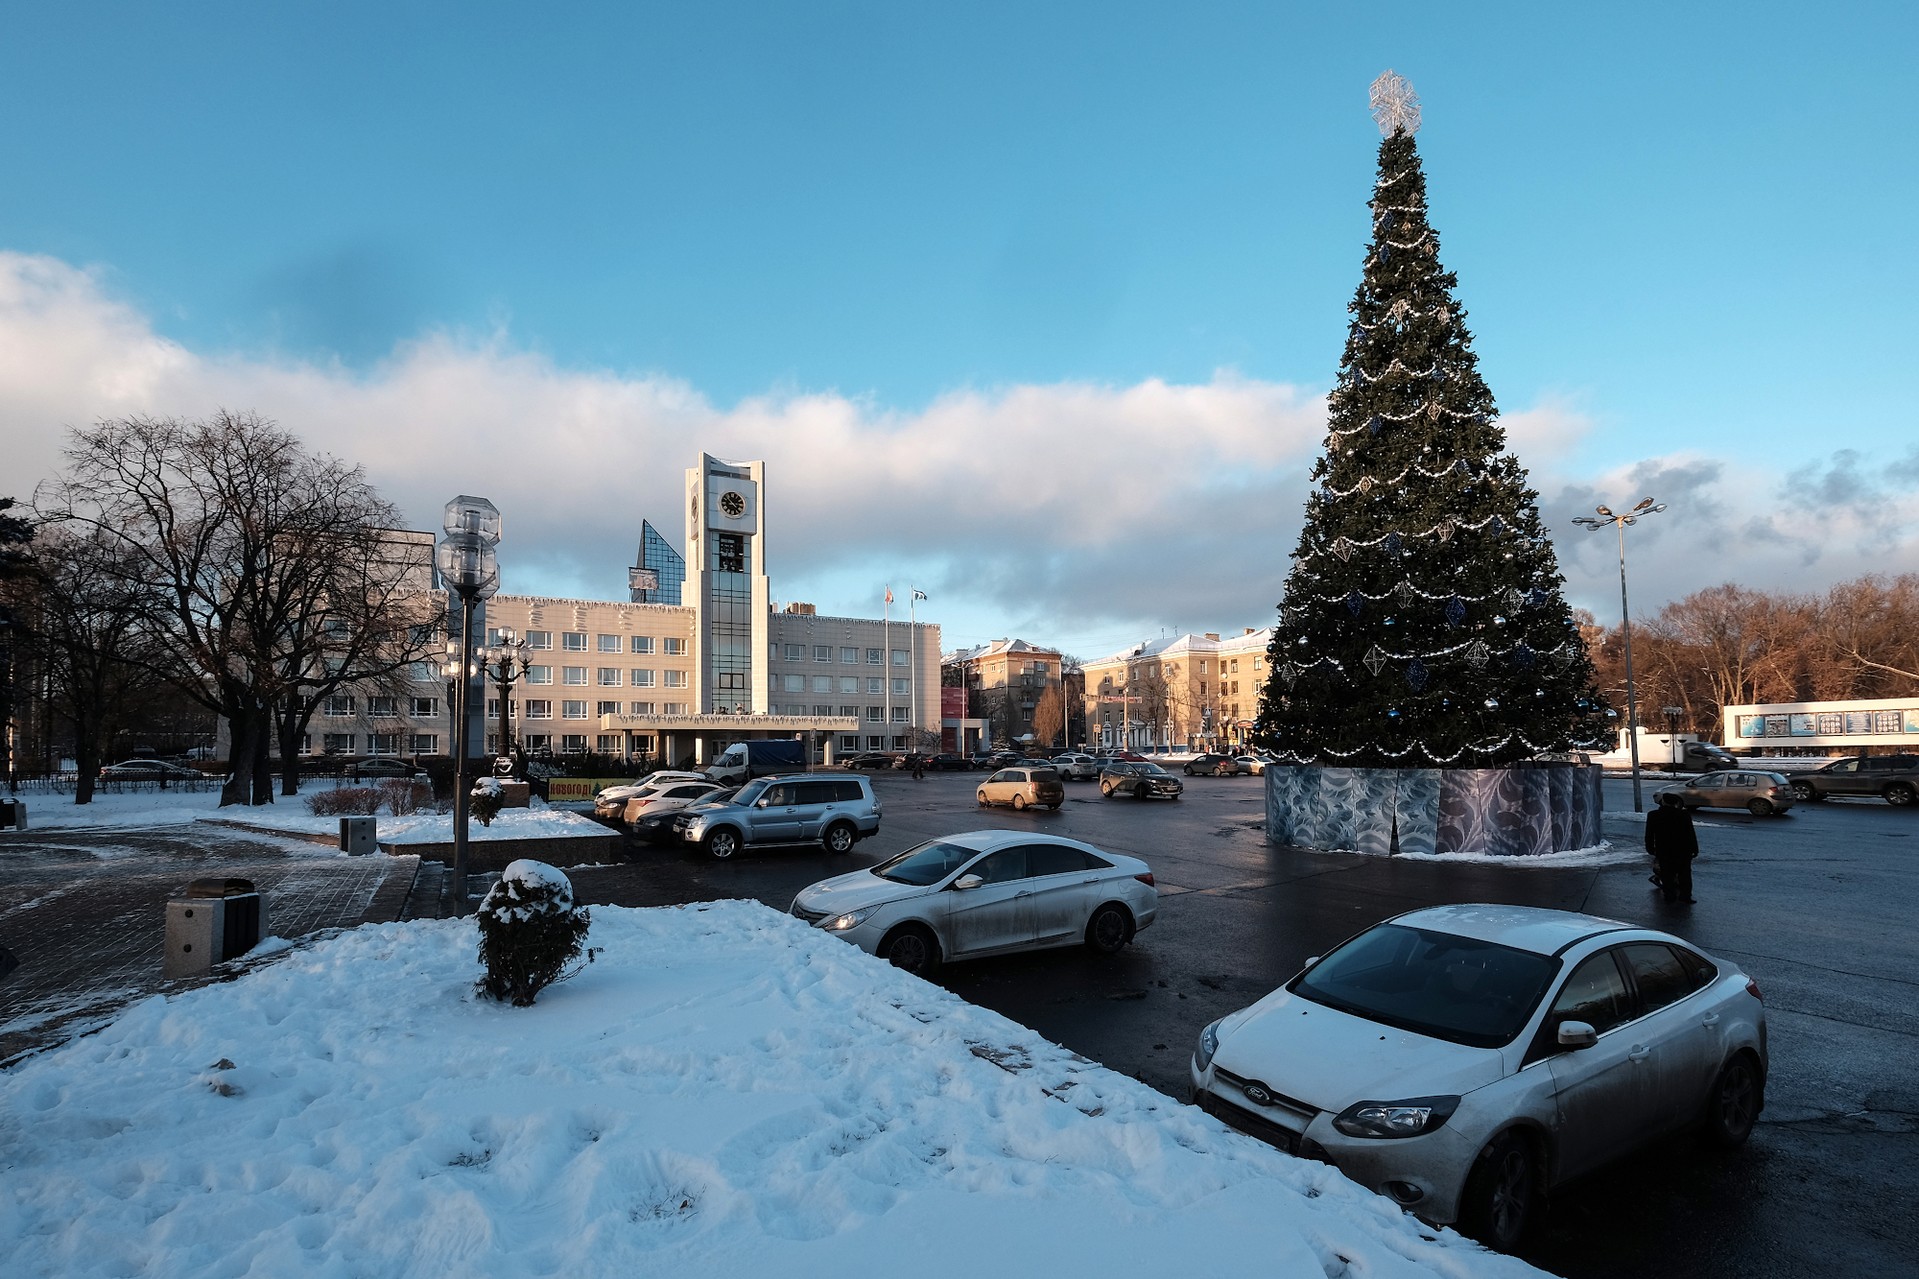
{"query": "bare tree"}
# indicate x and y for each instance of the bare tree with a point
(230, 532)
(15, 534)
(1049, 715)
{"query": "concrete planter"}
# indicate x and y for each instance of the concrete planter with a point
(496, 854)
(1521, 811)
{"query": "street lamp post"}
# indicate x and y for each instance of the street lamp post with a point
(505, 662)
(1606, 519)
(469, 569)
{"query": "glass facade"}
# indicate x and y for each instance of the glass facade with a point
(657, 554)
(729, 630)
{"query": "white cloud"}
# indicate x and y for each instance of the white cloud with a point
(1059, 510)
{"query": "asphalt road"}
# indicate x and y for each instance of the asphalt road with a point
(1816, 906)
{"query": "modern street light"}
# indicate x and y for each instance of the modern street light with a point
(470, 569)
(505, 661)
(1672, 714)
(1607, 519)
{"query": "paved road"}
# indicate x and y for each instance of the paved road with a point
(1815, 906)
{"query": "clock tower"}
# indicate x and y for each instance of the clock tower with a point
(726, 585)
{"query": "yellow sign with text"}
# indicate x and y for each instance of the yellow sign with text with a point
(573, 788)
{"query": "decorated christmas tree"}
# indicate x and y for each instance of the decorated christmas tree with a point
(1423, 623)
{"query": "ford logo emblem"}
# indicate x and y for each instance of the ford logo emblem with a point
(1258, 1095)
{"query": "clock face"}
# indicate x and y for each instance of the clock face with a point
(732, 505)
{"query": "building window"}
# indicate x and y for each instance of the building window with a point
(849, 741)
(875, 685)
(875, 743)
(676, 708)
(675, 679)
(609, 744)
(792, 683)
(642, 643)
(875, 657)
(729, 550)
(339, 705)
(850, 711)
(606, 708)
(573, 641)
(337, 743)
(639, 708)
(899, 743)
(573, 710)
(730, 679)
(822, 683)
(822, 652)
(539, 708)
(899, 688)
(423, 744)
(849, 683)
(822, 710)
(609, 677)
(573, 744)
(539, 674)
(610, 643)
(539, 639)
(493, 708)
(674, 647)
(383, 707)
(899, 714)
(849, 656)
(383, 744)
(425, 707)
(643, 743)
(901, 657)
(573, 674)
(876, 714)
(642, 679)
(796, 652)
(538, 742)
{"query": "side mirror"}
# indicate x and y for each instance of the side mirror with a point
(965, 882)
(1310, 961)
(1577, 1035)
(763, 802)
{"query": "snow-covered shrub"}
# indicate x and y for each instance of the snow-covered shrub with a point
(485, 800)
(531, 933)
(344, 801)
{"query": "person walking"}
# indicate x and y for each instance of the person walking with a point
(1673, 844)
(919, 767)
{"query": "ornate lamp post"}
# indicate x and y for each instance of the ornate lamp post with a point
(469, 569)
(505, 662)
(1607, 519)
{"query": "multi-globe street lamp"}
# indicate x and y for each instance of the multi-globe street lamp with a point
(1606, 519)
(505, 662)
(469, 569)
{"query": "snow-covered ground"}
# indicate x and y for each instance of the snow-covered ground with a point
(171, 808)
(724, 1092)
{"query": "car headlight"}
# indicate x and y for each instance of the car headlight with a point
(851, 919)
(1208, 1045)
(1409, 1118)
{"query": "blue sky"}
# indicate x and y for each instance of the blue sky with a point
(1681, 237)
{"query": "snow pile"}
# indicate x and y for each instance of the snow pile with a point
(725, 1092)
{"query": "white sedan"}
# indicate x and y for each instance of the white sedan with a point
(610, 802)
(985, 892)
(1464, 1060)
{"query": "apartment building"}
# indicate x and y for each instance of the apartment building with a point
(1004, 682)
(1191, 692)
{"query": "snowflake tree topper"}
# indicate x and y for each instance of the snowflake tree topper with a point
(1395, 105)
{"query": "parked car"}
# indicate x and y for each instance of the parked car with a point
(1895, 778)
(673, 795)
(1024, 787)
(609, 803)
(655, 824)
(837, 812)
(980, 760)
(1761, 794)
(1254, 764)
(985, 892)
(907, 760)
(149, 770)
(1072, 766)
(1464, 1060)
(1122, 777)
(872, 759)
(948, 762)
(382, 767)
(1212, 766)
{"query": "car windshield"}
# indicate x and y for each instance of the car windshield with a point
(1459, 989)
(1151, 768)
(750, 792)
(928, 864)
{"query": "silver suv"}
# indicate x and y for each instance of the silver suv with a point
(836, 811)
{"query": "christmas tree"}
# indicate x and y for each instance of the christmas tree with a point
(1423, 623)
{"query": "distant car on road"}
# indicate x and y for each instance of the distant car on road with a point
(985, 892)
(1029, 786)
(1212, 766)
(873, 759)
(1253, 764)
(361, 769)
(948, 762)
(1894, 778)
(150, 770)
(1073, 766)
(1761, 794)
(1141, 781)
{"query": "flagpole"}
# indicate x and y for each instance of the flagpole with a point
(886, 663)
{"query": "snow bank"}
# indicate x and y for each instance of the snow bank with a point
(724, 1092)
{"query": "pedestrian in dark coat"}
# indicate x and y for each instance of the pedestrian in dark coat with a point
(1673, 844)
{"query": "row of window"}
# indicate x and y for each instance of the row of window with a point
(875, 685)
(874, 714)
(341, 705)
(846, 656)
(377, 743)
(607, 676)
(575, 642)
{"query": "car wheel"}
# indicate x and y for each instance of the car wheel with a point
(1105, 790)
(1188, 770)
(1759, 808)
(981, 797)
(1110, 928)
(913, 948)
(1502, 1194)
(1899, 794)
(840, 838)
(1735, 1103)
(1139, 791)
(722, 844)
(1804, 791)
(1019, 803)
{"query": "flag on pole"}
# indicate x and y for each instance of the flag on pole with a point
(919, 595)
(889, 595)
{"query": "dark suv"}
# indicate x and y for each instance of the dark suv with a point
(1894, 777)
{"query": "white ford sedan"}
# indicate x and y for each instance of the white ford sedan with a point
(1463, 1060)
(985, 892)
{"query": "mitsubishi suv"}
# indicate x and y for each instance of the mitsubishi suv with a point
(1893, 777)
(836, 810)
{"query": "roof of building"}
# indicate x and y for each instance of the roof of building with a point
(1172, 645)
(995, 649)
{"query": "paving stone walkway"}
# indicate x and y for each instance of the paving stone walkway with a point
(85, 913)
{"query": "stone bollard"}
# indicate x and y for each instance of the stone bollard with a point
(217, 920)
(359, 836)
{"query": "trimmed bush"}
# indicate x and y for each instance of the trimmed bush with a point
(485, 800)
(531, 933)
(345, 801)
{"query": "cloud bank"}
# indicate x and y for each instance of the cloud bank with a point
(1072, 512)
